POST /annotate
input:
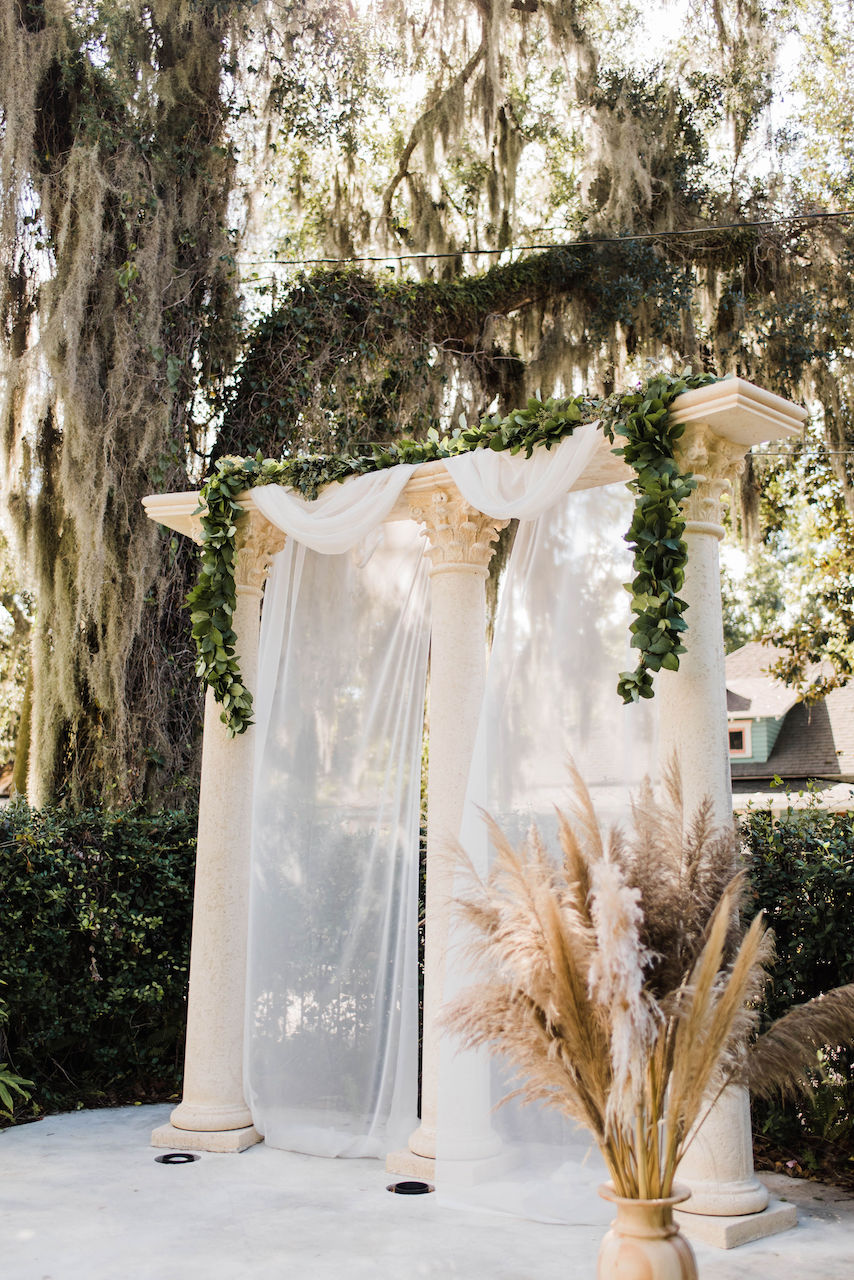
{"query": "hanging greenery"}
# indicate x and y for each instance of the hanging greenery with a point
(638, 425)
(118, 300)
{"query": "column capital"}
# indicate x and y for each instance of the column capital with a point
(459, 536)
(715, 462)
(257, 542)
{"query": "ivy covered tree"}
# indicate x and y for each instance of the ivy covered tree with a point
(490, 125)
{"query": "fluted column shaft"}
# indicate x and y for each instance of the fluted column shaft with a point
(719, 1164)
(213, 1114)
(461, 545)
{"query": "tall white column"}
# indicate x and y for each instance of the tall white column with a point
(461, 545)
(719, 1164)
(693, 712)
(213, 1115)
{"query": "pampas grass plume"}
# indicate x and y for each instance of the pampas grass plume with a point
(621, 984)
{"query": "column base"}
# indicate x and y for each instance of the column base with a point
(166, 1135)
(470, 1173)
(408, 1165)
(422, 1142)
(454, 1173)
(729, 1233)
(197, 1116)
(725, 1199)
(464, 1146)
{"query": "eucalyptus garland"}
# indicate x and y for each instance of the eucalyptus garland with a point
(636, 423)
(641, 421)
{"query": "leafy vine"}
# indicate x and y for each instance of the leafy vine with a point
(636, 423)
(641, 420)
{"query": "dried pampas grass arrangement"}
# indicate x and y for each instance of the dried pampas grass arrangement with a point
(622, 985)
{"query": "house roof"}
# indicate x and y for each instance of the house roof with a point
(758, 696)
(815, 741)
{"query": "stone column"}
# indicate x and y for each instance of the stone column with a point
(461, 545)
(718, 1167)
(213, 1115)
(693, 713)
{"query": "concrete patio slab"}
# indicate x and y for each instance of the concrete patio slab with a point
(83, 1199)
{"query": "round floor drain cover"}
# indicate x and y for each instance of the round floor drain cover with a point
(176, 1157)
(410, 1188)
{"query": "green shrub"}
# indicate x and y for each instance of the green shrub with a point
(802, 874)
(95, 911)
(13, 1088)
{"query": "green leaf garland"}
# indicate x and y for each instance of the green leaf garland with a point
(648, 436)
(638, 426)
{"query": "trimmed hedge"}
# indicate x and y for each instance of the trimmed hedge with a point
(802, 873)
(95, 912)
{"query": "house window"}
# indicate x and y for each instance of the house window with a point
(739, 738)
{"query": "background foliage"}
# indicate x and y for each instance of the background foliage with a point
(802, 874)
(95, 912)
(16, 615)
(162, 167)
(117, 299)
(95, 915)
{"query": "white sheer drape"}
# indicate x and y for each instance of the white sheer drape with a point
(331, 1031)
(561, 637)
(331, 1043)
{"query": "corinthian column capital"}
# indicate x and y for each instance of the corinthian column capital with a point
(256, 543)
(459, 536)
(715, 462)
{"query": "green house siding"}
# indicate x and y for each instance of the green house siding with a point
(764, 732)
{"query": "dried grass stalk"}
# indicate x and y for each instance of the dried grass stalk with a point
(783, 1060)
(621, 985)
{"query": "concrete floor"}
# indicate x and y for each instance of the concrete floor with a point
(82, 1197)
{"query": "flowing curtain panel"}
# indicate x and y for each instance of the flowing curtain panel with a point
(332, 984)
(513, 487)
(561, 638)
(332, 995)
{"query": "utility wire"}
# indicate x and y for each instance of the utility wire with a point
(566, 244)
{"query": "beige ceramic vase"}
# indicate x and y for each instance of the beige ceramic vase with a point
(644, 1242)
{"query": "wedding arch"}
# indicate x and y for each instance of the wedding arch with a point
(302, 1017)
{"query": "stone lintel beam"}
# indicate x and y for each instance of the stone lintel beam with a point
(741, 412)
(734, 409)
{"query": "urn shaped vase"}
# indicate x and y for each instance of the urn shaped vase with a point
(644, 1243)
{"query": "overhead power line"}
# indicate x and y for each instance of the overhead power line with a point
(565, 244)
